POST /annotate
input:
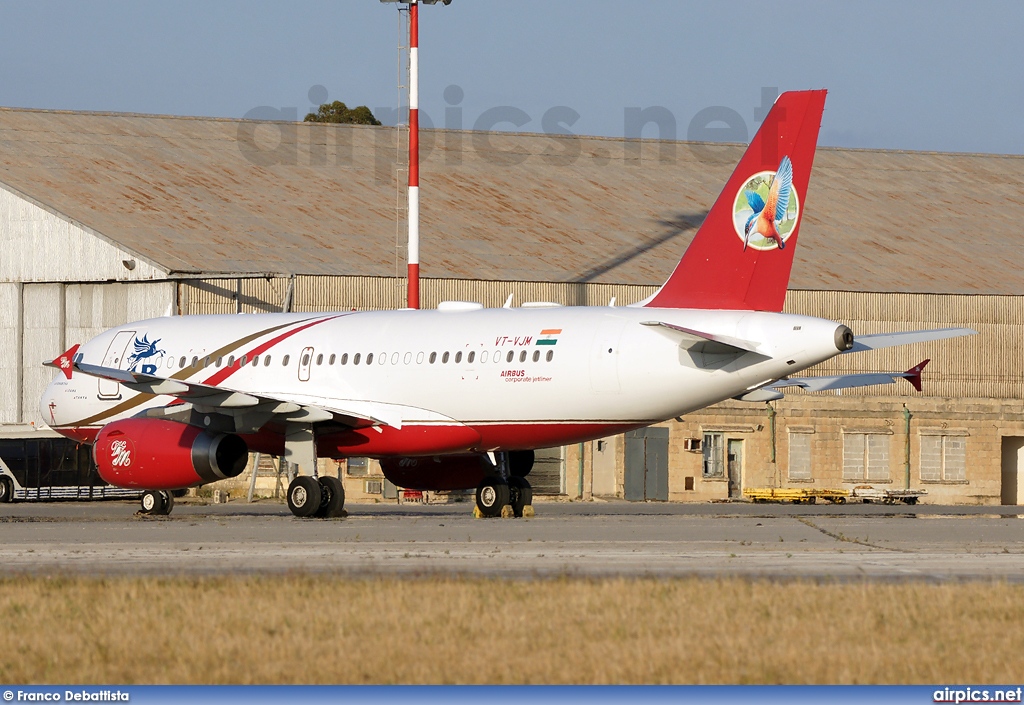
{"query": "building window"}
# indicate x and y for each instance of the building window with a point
(358, 467)
(865, 457)
(714, 455)
(944, 458)
(799, 455)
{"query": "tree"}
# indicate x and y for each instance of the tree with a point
(338, 112)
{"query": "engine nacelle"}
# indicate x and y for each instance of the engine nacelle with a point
(155, 454)
(439, 472)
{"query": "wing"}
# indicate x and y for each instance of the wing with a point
(689, 337)
(771, 392)
(783, 186)
(208, 398)
(755, 201)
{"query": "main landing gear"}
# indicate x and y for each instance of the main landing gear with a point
(157, 502)
(507, 493)
(322, 498)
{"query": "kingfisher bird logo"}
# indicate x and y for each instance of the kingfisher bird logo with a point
(144, 350)
(766, 208)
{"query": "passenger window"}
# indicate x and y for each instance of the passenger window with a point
(195, 362)
(181, 362)
(408, 358)
(356, 358)
(219, 360)
(319, 359)
(433, 358)
(522, 356)
(369, 359)
(444, 358)
(483, 356)
(231, 360)
(394, 358)
(206, 361)
(266, 361)
(330, 360)
(285, 359)
(510, 356)
(497, 355)
(419, 358)
(255, 360)
(382, 358)
(536, 355)
(344, 358)
(469, 358)
(170, 362)
(241, 363)
(551, 354)
(458, 357)
(305, 360)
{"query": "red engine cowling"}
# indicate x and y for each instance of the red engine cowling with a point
(155, 454)
(439, 472)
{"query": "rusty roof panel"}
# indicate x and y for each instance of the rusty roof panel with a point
(200, 195)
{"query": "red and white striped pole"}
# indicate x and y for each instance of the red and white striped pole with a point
(413, 285)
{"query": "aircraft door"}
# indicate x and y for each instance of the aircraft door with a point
(305, 360)
(115, 357)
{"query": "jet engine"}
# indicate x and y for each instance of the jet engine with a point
(155, 454)
(439, 472)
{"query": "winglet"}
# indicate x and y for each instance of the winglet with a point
(65, 362)
(913, 375)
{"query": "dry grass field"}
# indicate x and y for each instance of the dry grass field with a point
(322, 629)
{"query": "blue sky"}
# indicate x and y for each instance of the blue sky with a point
(909, 75)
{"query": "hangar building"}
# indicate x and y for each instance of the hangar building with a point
(107, 218)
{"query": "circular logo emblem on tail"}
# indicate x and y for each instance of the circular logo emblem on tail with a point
(766, 208)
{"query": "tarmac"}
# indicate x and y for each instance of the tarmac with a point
(596, 539)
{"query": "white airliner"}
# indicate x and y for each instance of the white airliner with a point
(459, 397)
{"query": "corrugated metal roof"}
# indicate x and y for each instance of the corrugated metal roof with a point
(199, 195)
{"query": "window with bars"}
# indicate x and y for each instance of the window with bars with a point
(865, 456)
(943, 458)
(714, 454)
(799, 455)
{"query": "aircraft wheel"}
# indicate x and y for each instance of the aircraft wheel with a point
(6, 490)
(491, 495)
(168, 501)
(304, 496)
(153, 503)
(520, 494)
(332, 498)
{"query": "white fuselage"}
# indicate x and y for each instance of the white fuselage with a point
(595, 369)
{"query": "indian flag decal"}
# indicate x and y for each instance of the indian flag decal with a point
(549, 336)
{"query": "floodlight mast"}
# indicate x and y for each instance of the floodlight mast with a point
(413, 281)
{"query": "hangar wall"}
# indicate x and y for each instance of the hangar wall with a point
(39, 321)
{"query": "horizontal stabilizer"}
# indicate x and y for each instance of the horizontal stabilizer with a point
(877, 341)
(695, 336)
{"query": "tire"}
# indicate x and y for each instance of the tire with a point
(168, 502)
(520, 494)
(491, 496)
(304, 496)
(332, 498)
(6, 490)
(520, 462)
(153, 503)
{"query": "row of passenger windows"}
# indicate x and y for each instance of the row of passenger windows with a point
(359, 358)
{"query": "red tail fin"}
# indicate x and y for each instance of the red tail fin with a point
(743, 252)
